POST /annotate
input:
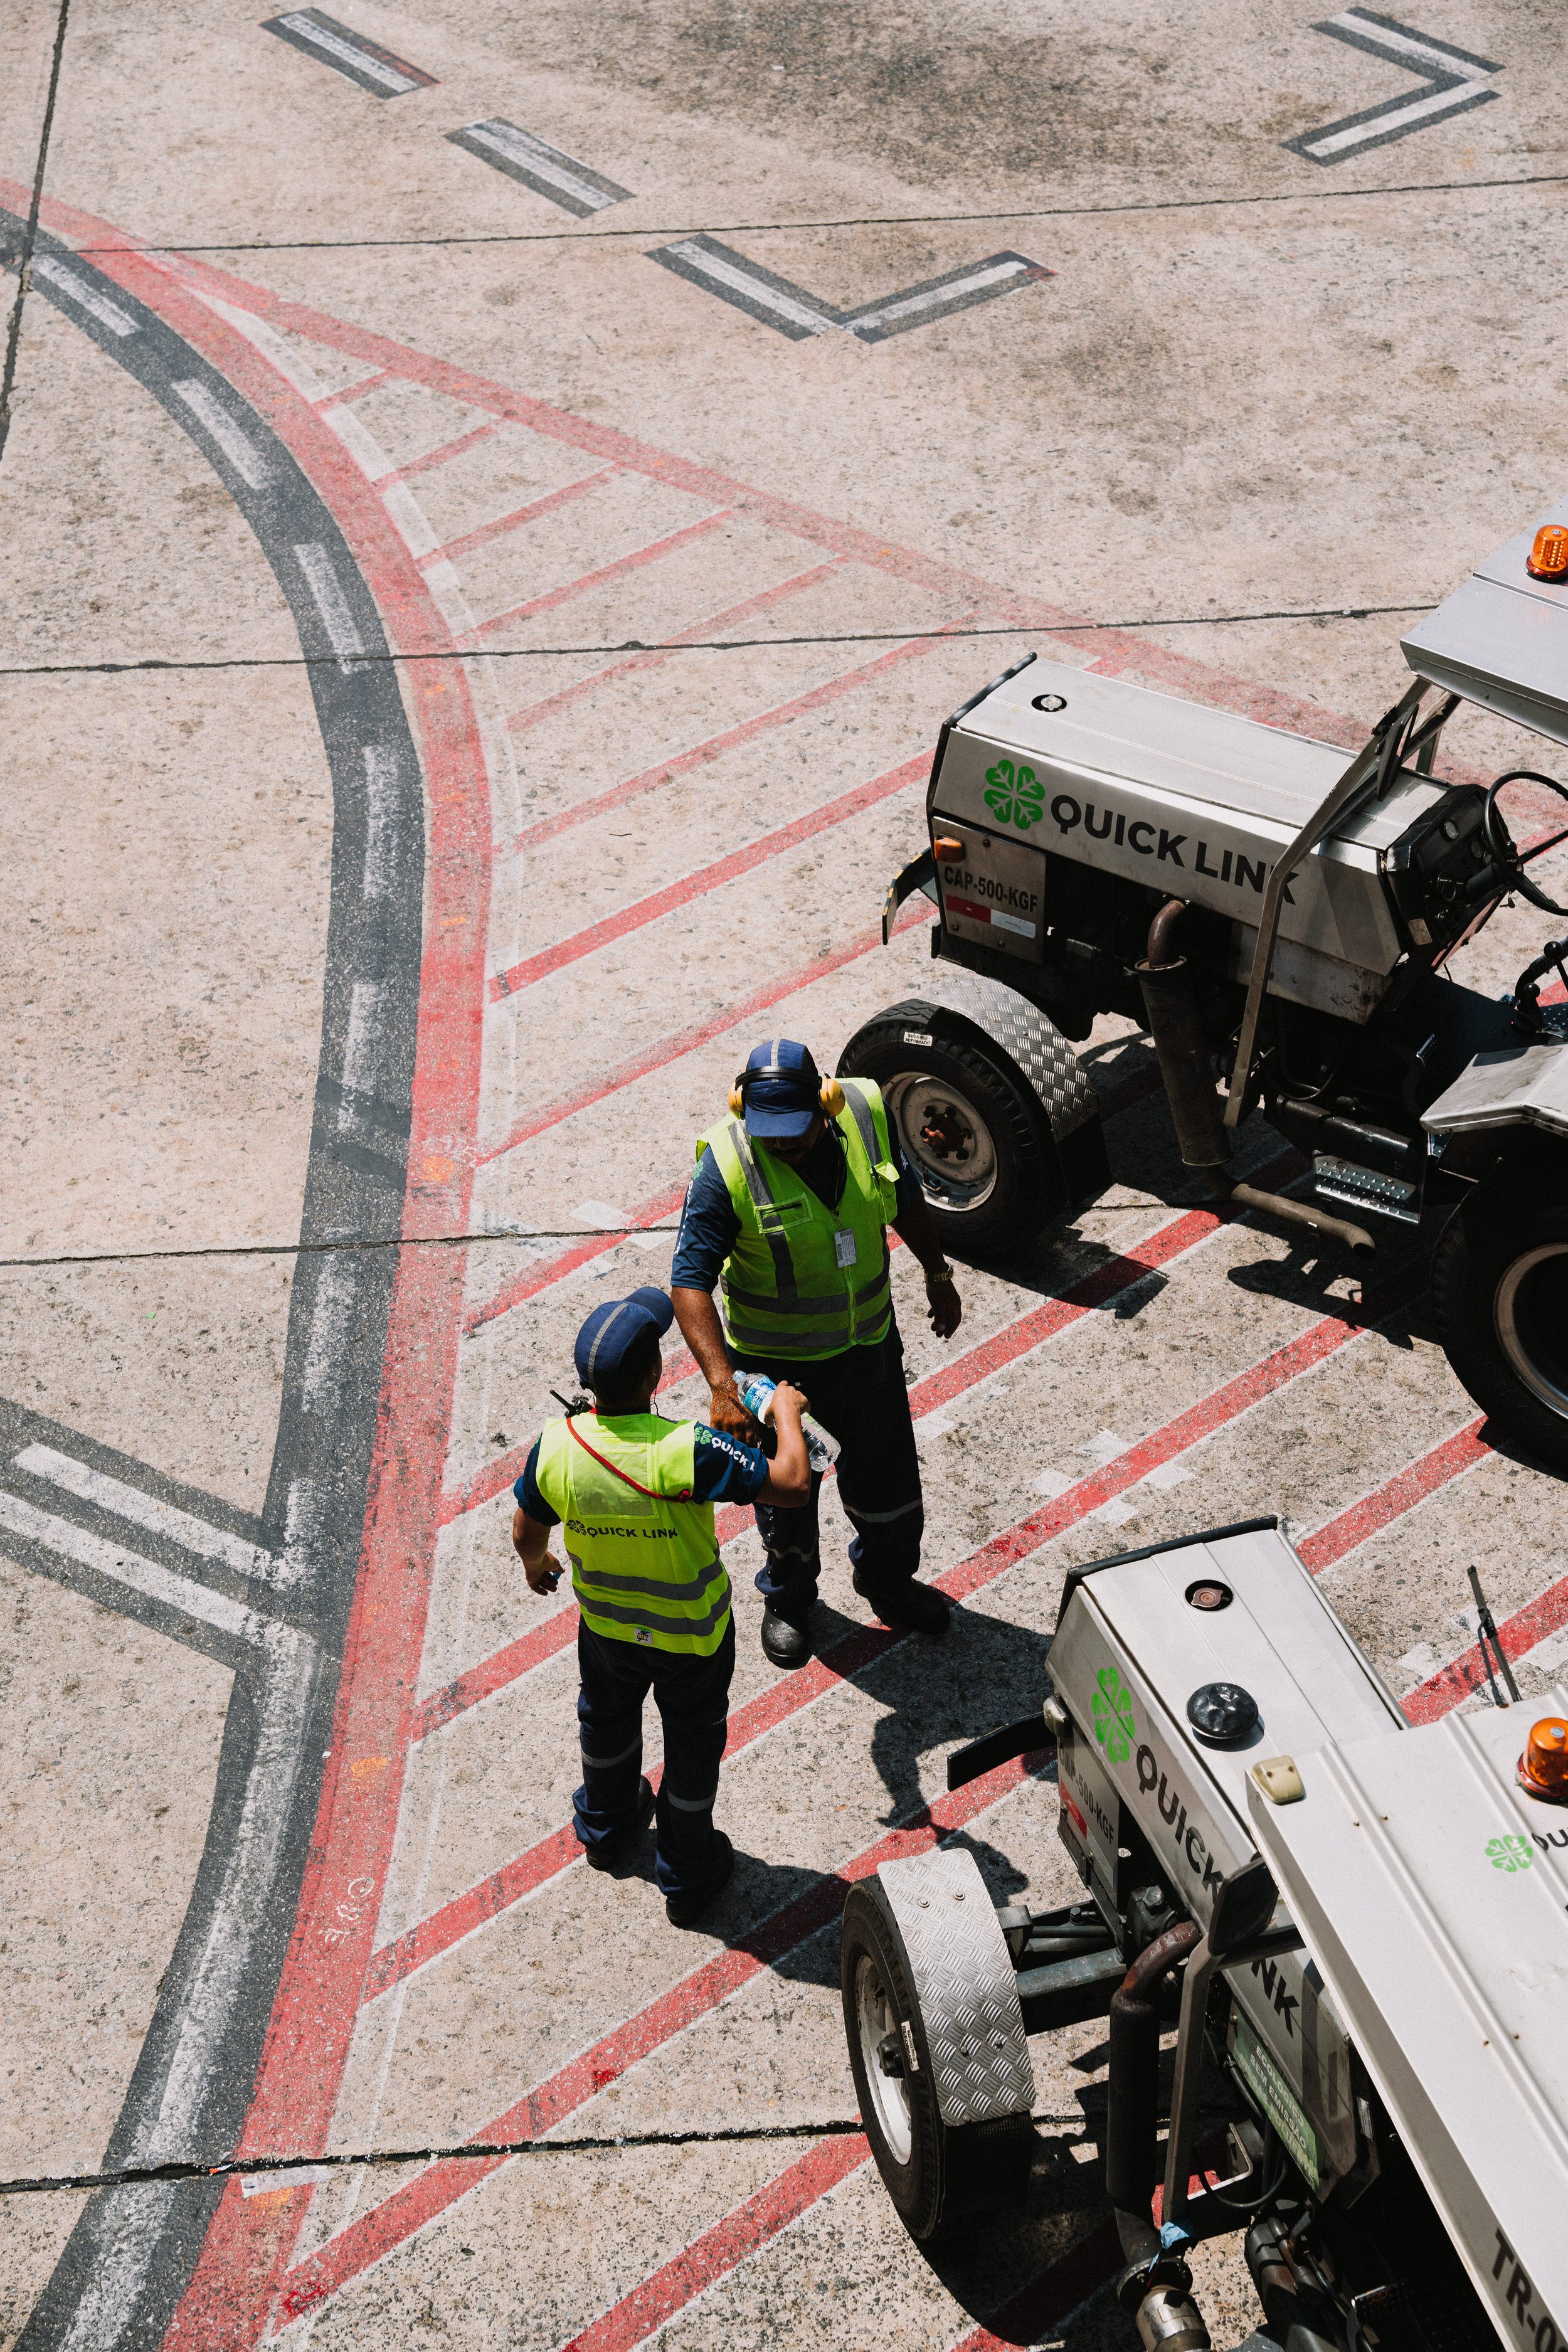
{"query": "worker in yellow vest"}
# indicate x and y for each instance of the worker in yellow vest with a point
(788, 1213)
(635, 1494)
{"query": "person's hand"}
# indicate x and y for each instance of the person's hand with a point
(727, 1413)
(787, 1393)
(544, 1575)
(946, 1307)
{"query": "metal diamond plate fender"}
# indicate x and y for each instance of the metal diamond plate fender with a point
(963, 1981)
(1021, 1029)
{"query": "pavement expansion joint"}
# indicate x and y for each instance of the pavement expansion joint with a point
(350, 1245)
(733, 645)
(857, 220)
(261, 2168)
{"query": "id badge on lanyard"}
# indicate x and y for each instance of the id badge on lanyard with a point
(844, 1252)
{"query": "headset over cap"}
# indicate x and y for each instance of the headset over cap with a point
(781, 1090)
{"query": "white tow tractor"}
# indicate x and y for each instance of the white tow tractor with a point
(1358, 1930)
(1267, 912)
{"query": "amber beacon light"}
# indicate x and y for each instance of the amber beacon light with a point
(1547, 558)
(1543, 1767)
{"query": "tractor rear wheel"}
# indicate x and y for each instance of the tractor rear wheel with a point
(1500, 1288)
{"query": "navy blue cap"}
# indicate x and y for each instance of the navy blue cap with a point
(613, 1329)
(781, 1106)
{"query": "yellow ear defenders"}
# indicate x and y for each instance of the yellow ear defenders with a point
(831, 1096)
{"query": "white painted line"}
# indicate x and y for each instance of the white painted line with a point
(380, 821)
(602, 1216)
(303, 1516)
(129, 1567)
(409, 518)
(538, 156)
(293, 368)
(236, 443)
(86, 297)
(1105, 1447)
(907, 304)
(361, 1049)
(346, 51)
(144, 1509)
(755, 289)
(1052, 1483)
(357, 439)
(296, 2176)
(1548, 1654)
(1403, 45)
(1167, 1474)
(1420, 110)
(326, 588)
(329, 1335)
(1116, 1513)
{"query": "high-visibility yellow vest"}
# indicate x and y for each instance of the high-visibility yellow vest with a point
(644, 1563)
(789, 1294)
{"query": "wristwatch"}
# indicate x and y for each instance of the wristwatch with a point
(936, 1275)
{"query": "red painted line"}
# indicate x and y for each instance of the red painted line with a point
(354, 391)
(458, 1918)
(709, 878)
(373, 2235)
(1547, 1613)
(1402, 1493)
(654, 552)
(666, 1050)
(732, 617)
(494, 1673)
(318, 1996)
(729, 2243)
(444, 455)
(527, 1285)
(729, 739)
(484, 533)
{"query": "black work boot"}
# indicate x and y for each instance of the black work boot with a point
(619, 1844)
(786, 1640)
(908, 1607)
(685, 1910)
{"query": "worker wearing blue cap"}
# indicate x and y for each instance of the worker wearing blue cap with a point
(788, 1213)
(636, 1494)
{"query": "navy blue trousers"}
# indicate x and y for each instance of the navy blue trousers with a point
(862, 1399)
(692, 1696)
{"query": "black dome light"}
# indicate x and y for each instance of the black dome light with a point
(1222, 1714)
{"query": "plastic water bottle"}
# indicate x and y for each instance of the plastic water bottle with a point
(757, 1392)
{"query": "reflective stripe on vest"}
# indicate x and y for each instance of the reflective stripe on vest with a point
(644, 1563)
(785, 1296)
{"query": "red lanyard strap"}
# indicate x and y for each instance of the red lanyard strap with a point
(627, 1480)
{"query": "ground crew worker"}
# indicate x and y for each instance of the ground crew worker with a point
(788, 1211)
(636, 1493)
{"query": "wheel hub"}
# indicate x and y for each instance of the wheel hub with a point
(881, 2038)
(947, 1138)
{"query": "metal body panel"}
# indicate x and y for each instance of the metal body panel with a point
(1179, 797)
(964, 1980)
(994, 895)
(1501, 639)
(1519, 1086)
(1435, 1894)
(1127, 1655)
(1066, 1091)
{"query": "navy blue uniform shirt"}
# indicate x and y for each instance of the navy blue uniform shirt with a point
(709, 1226)
(724, 1470)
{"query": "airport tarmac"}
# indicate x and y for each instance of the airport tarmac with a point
(495, 507)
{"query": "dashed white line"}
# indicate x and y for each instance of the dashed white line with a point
(146, 1510)
(540, 157)
(129, 1567)
(327, 591)
(755, 289)
(380, 821)
(359, 58)
(329, 1334)
(87, 297)
(361, 1050)
(236, 443)
(906, 305)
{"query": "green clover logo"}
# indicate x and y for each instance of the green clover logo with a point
(1017, 798)
(1113, 1725)
(1510, 1853)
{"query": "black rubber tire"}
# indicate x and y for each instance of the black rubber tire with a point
(1028, 1186)
(951, 2173)
(1477, 1279)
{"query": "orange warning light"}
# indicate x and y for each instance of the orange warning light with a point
(1548, 559)
(1543, 1767)
(946, 847)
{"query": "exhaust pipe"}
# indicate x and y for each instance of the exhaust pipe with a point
(1156, 2287)
(1170, 1000)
